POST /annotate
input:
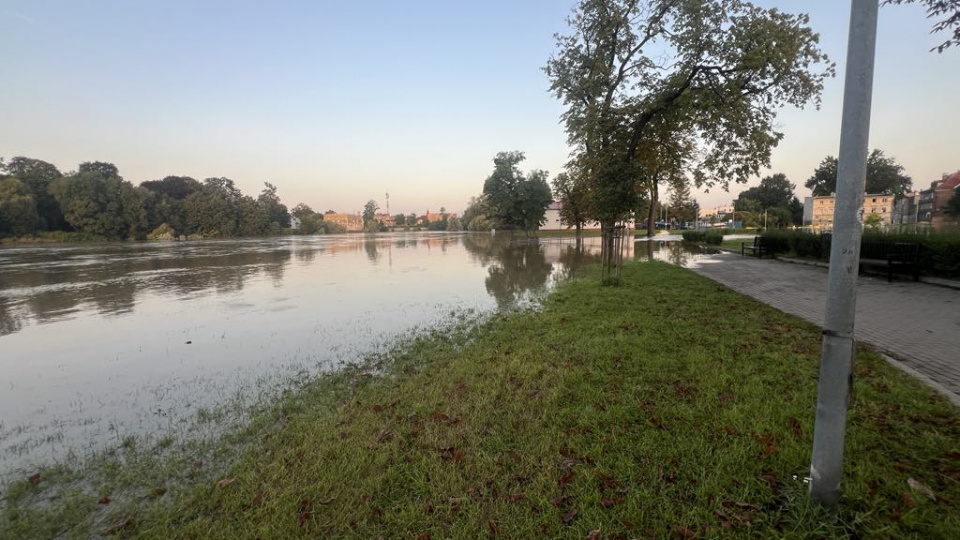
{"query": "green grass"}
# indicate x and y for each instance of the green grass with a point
(597, 412)
(53, 237)
(735, 244)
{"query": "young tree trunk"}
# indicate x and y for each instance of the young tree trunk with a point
(654, 198)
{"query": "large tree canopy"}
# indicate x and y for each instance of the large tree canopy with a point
(635, 75)
(515, 201)
(18, 210)
(884, 175)
(774, 191)
(36, 176)
(97, 200)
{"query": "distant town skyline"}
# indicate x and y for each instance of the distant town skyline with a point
(337, 104)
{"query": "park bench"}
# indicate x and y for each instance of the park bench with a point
(901, 257)
(759, 246)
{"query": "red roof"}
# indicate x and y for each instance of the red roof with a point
(951, 182)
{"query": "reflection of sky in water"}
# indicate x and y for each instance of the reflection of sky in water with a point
(96, 336)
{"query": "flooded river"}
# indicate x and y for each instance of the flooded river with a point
(101, 341)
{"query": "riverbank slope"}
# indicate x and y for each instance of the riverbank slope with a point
(668, 406)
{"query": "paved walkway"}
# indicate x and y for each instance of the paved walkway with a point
(916, 323)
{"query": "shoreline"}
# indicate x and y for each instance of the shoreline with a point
(596, 411)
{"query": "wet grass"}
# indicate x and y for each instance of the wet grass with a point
(595, 415)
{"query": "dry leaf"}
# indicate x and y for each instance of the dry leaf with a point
(225, 482)
(921, 488)
(304, 511)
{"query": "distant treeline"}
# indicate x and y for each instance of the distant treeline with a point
(95, 201)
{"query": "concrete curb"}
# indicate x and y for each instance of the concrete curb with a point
(939, 388)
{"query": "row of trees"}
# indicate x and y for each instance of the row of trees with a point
(35, 196)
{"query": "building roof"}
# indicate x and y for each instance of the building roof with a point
(950, 182)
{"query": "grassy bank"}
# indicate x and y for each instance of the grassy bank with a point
(53, 237)
(597, 413)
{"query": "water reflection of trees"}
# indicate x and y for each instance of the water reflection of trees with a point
(370, 247)
(513, 270)
(62, 282)
(677, 253)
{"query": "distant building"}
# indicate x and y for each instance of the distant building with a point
(820, 210)
(907, 209)
(350, 222)
(435, 216)
(386, 219)
(933, 203)
(294, 223)
(717, 213)
(551, 220)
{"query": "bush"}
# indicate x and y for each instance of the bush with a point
(939, 253)
(703, 237)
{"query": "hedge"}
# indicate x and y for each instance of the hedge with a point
(939, 253)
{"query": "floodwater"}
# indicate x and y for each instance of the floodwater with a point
(102, 341)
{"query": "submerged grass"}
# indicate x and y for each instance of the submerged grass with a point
(596, 415)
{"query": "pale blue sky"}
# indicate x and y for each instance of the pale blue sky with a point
(338, 102)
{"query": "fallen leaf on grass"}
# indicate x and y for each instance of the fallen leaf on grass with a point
(117, 527)
(608, 481)
(494, 531)
(423, 536)
(516, 497)
(567, 478)
(569, 516)
(771, 479)
(921, 488)
(738, 504)
(797, 428)
(684, 532)
(770, 445)
(225, 482)
(594, 534)
(610, 503)
(385, 436)
(104, 500)
(908, 500)
(258, 499)
(458, 455)
(34, 480)
(729, 430)
(304, 511)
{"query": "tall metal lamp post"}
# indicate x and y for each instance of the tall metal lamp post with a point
(837, 353)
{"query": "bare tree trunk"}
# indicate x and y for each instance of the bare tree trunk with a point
(654, 199)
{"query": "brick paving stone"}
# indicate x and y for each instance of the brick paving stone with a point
(916, 323)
